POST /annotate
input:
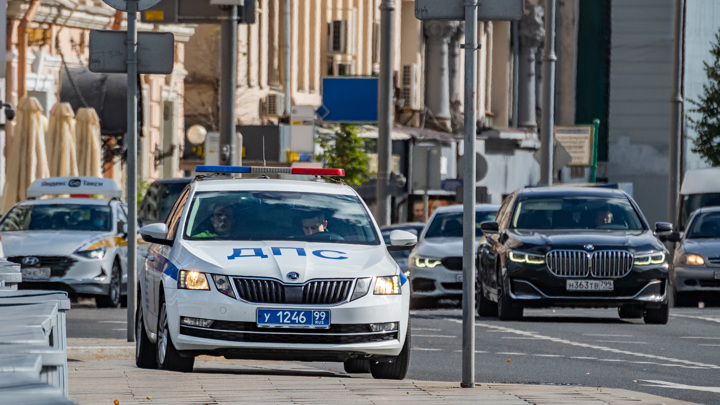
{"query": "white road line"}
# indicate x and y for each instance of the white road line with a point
(620, 341)
(700, 337)
(520, 338)
(666, 384)
(548, 355)
(428, 329)
(708, 344)
(119, 328)
(476, 351)
(582, 358)
(613, 360)
(604, 335)
(587, 345)
(112, 322)
(703, 318)
(426, 349)
(435, 336)
(511, 354)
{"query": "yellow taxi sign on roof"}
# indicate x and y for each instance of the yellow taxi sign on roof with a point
(74, 185)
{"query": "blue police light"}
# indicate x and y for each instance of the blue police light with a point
(270, 170)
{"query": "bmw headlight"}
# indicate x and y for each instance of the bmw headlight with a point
(98, 253)
(425, 262)
(648, 259)
(192, 280)
(529, 258)
(692, 259)
(389, 285)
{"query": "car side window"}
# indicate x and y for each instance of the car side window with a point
(173, 220)
(505, 210)
(121, 217)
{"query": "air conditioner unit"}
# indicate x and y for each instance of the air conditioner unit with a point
(343, 69)
(338, 37)
(408, 86)
(275, 105)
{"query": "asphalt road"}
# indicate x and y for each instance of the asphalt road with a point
(586, 347)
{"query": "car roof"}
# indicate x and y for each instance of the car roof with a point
(69, 201)
(459, 208)
(183, 180)
(273, 185)
(705, 210)
(570, 191)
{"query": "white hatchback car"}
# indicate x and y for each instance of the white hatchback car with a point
(272, 269)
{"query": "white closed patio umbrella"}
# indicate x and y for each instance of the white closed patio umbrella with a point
(27, 160)
(62, 156)
(87, 136)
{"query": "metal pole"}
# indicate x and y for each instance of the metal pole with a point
(228, 84)
(385, 112)
(676, 103)
(516, 71)
(132, 65)
(287, 26)
(548, 96)
(471, 46)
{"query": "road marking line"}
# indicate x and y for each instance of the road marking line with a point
(426, 349)
(520, 338)
(700, 337)
(476, 351)
(708, 344)
(428, 329)
(582, 358)
(119, 328)
(587, 345)
(666, 384)
(703, 318)
(511, 354)
(548, 355)
(605, 335)
(112, 322)
(620, 341)
(437, 336)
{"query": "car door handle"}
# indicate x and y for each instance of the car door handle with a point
(151, 258)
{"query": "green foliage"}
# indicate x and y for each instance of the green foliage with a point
(142, 186)
(344, 149)
(707, 143)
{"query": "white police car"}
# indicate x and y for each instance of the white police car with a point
(76, 244)
(272, 269)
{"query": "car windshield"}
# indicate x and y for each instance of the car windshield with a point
(450, 224)
(279, 215)
(692, 202)
(57, 217)
(576, 213)
(705, 226)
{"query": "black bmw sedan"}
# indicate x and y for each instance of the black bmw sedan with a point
(572, 247)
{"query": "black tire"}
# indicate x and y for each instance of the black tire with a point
(168, 358)
(357, 366)
(145, 351)
(397, 368)
(657, 316)
(112, 299)
(507, 310)
(484, 306)
(630, 312)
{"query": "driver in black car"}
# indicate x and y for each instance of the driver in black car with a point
(313, 222)
(603, 217)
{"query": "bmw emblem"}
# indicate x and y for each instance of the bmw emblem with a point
(293, 275)
(589, 247)
(30, 261)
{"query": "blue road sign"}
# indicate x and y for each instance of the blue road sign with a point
(349, 99)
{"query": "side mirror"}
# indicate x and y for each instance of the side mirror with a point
(156, 233)
(402, 240)
(663, 228)
(490, 227)
(673, 237)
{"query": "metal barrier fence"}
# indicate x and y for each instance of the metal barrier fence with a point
(33, 345)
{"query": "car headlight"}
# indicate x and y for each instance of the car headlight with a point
(529, 258)
(192, 280)
(361, 288)
(389, 285)
(98, 253)
(692, 259)
(649, 259)
(426, 262)
(222, 283)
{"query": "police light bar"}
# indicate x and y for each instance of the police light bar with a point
(270, 170)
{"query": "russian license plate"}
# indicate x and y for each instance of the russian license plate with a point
(589, 285)
(35, 272)
(291, 318)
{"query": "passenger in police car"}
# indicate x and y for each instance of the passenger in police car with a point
(222, 222)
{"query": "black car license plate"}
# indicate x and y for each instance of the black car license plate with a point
(293, 318)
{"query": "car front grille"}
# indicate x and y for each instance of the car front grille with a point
(271, 291)
(58, 265)
(714, 260)
(454, 263)
(601, 264)
(250, 332)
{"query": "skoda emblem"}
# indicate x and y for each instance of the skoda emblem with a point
(30, 261)
(589, 247)
(74, 183)
(293, 275)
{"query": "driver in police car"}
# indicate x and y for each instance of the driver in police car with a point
(313, 222)
(222, 221)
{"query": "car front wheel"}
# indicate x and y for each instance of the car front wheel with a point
(145, 351)
(484, 306)
(397, 368)
(168, 358)
(507, 310)
(112, 299)
(657, 316)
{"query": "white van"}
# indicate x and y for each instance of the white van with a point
(700, 188)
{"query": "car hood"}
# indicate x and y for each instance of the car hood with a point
(49, 243)
(440, 247)
(278, 259)
(703, 247)
(632, 241)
